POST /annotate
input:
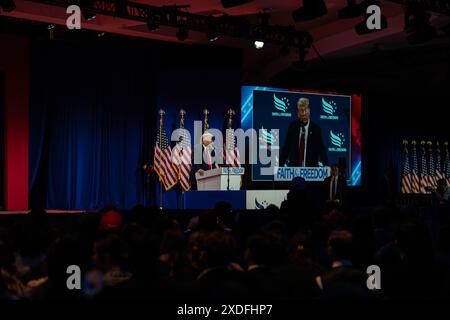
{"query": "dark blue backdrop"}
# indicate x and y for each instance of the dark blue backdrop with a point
(93, 108)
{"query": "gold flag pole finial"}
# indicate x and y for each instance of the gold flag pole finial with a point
(182, 114)
(230, 113)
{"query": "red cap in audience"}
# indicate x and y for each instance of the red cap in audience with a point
(111, 220)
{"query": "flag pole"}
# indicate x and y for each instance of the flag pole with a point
(182, 114)
(161, 122)
(206, 123)
(230, 113)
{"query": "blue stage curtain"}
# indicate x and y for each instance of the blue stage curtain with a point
(92, 111)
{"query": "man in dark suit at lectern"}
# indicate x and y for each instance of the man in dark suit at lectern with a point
(303, 146)
(335, 186)
(208, 155)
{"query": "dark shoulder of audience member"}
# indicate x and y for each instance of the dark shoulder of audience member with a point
(218, 279)
(269, 274)
(344, 281)
(64, 252)
(110, 256)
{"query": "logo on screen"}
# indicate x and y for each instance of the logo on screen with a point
(337, 140)
(267, 139)
(260, 205)
(281, 105)
(329, 107)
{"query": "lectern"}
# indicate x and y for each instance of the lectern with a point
(220, 179)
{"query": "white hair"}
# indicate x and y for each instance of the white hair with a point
(303, 101)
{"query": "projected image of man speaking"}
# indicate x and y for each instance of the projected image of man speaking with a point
(303, 146)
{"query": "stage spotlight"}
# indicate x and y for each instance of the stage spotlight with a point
(89, 16)
(182, 34)
(86, 6)
(234, 3)
(7, 5)
(417, 24)
(311, 9)
(212, 36)
(259, 44)
(352, 10)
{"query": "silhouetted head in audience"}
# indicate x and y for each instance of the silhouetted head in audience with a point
(266, 249)
(172, 246)
(223, 211)
(272, 209)
(207, 221)
(441, 189)
(217, 249)
(301, 252)
(194, 250)
(340, 245)
(413, 239)
(111, 220)
(277, 227)
(222, 208)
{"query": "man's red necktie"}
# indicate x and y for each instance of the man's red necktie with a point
(209, 159)
(301, 150)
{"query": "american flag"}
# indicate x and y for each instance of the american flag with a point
(406, 177)
(432, 171)
(439, 173)
(447, 164)
(415, 171)
(162, 161)
(182, 158)
(423, 170)
(233, 158)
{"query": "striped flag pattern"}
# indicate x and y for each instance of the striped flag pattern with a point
(182, 159)
(162, 161)
(447, 165)
(438, 175)
(415, 171)
(431, 172)
(233, 158)
(406, 176)
(423, 171)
